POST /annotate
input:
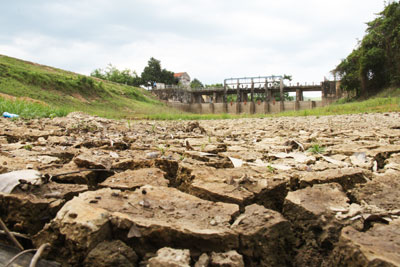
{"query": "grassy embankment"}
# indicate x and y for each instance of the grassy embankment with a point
(62, 92)
(43, 91)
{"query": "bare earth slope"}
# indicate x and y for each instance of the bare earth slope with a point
(212, 193)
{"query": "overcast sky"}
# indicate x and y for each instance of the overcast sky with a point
(209, 39)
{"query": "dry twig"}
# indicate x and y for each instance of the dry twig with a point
(38, 254)
(2, 232)
(10, 235)
(18, 255)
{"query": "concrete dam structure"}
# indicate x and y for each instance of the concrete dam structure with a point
(250, 95)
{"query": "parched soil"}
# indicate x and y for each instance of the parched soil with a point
(301, 191)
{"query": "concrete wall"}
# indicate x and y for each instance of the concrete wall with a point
(289, 105)
(305, 104)
(181, 106)
(232, 108)
(245, 107)
(274, 107)
(196, 108)
(259, 108)
(219, 107)
(208, 108)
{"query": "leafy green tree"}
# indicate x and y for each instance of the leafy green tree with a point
(111, 73)
(215, 85)
(153, 73)
(196, 84)
(375, 63)
(168, 77)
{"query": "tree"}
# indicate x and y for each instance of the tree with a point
(216, 85)
(111, 73)
(196, 84)
(375, 63)
(153, 73)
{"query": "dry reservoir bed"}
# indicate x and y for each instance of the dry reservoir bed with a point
(304, 191)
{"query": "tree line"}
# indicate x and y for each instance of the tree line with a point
(375, 63)
(152, 73)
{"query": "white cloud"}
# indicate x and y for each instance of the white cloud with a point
(210, 39)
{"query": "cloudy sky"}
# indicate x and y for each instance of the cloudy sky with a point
(209, 39)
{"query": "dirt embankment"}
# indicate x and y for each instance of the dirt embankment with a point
(211, 193)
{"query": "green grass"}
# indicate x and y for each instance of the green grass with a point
(26, 109)
(316, 149)
(373, 105)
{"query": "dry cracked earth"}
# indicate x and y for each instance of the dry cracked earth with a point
(305, 191)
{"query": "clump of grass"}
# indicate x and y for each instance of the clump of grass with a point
(316, 149)
(162, 149)
(28, 110)
(271, 169)
(28, 147)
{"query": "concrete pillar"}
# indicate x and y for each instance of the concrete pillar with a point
(267, 97)
(198, 98)
(299, 95)
(191, 98)
(219, 98)
(225, 93)
(267, 92)
(266, 107)
(225, 107)
(238, 91)
(238, 99)
(244, 97)
(252, 91)
(252, 98)
(282, 105)
(338, 90)
(212, 109)
(312, 104)
(297, 105)
(323, 93)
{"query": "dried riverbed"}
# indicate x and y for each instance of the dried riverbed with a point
(304, 191)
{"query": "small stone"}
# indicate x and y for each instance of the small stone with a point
(114, 155)
(203, 261)
(213, 223)
(111, 253)
(152, 155)
(145, 203)
(170, 257)
(230, 258)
